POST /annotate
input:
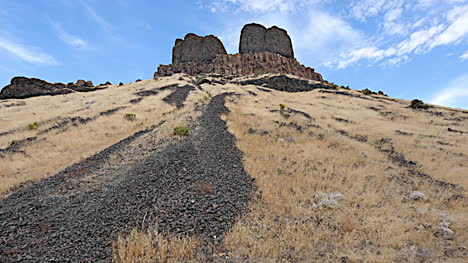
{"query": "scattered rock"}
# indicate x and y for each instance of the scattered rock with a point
(330, 200)
(417, 195)
(444, 231)
(138, 80)
(453, 130)
(179, 95)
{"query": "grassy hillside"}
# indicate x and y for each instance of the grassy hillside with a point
(340, 175)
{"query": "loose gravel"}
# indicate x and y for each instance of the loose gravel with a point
(197, 186)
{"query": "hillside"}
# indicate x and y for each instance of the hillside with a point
(331, 175)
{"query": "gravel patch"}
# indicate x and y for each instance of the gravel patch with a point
(178, 96)
(197, 186)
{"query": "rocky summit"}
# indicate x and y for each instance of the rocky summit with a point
(261, 50)
(196, 48)
(256, 38)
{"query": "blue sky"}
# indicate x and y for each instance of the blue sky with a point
(408, 49)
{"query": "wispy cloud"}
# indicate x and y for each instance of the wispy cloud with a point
(68, 38)
(465, 55)
(30, 54)
(456, 95)
(451, 29)
(99, 19)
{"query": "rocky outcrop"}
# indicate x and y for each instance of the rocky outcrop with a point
(22, 87)
(261, 50)
(84, 83)
(194, 48)
(243, 64)
(256, 38)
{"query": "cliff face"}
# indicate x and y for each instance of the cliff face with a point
(196, 48)
(260, 50)
(242, 64)
(256, 38)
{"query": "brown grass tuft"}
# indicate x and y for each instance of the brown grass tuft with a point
(149, 247)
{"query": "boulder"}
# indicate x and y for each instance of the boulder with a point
(256, 38)
(81, 82)
(194, 48)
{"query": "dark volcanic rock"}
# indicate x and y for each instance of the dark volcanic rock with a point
(196, 48)
(197, 186)
(285, 83)
(179, 95)
(256, 38)
(22, 87)
(81, 82)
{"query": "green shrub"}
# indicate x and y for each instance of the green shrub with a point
(418, 104)
(282, 106)
(33, 126)
(130, 116)
(181, 131)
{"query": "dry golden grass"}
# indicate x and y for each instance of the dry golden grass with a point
(149, 247)
(57, 149)
(375, 221)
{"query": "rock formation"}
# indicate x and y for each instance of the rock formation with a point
(242, 64)
(261, 50)
(196, 48)
(22, 87)
(256, 38)
(81, 82)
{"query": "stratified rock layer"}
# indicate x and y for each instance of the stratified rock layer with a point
(243, 64)
(22, 87)
(256, 38)
(196, 48)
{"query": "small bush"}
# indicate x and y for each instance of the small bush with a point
(418, 104)
(282, 106)
(181, 131)
(33, 126)
(130, 116)
(381, 93)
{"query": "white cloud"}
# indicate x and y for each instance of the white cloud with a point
(456, 95)
(465, 55)
(69, 39)
(403, 29)
(457, 28)
(27, 53)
